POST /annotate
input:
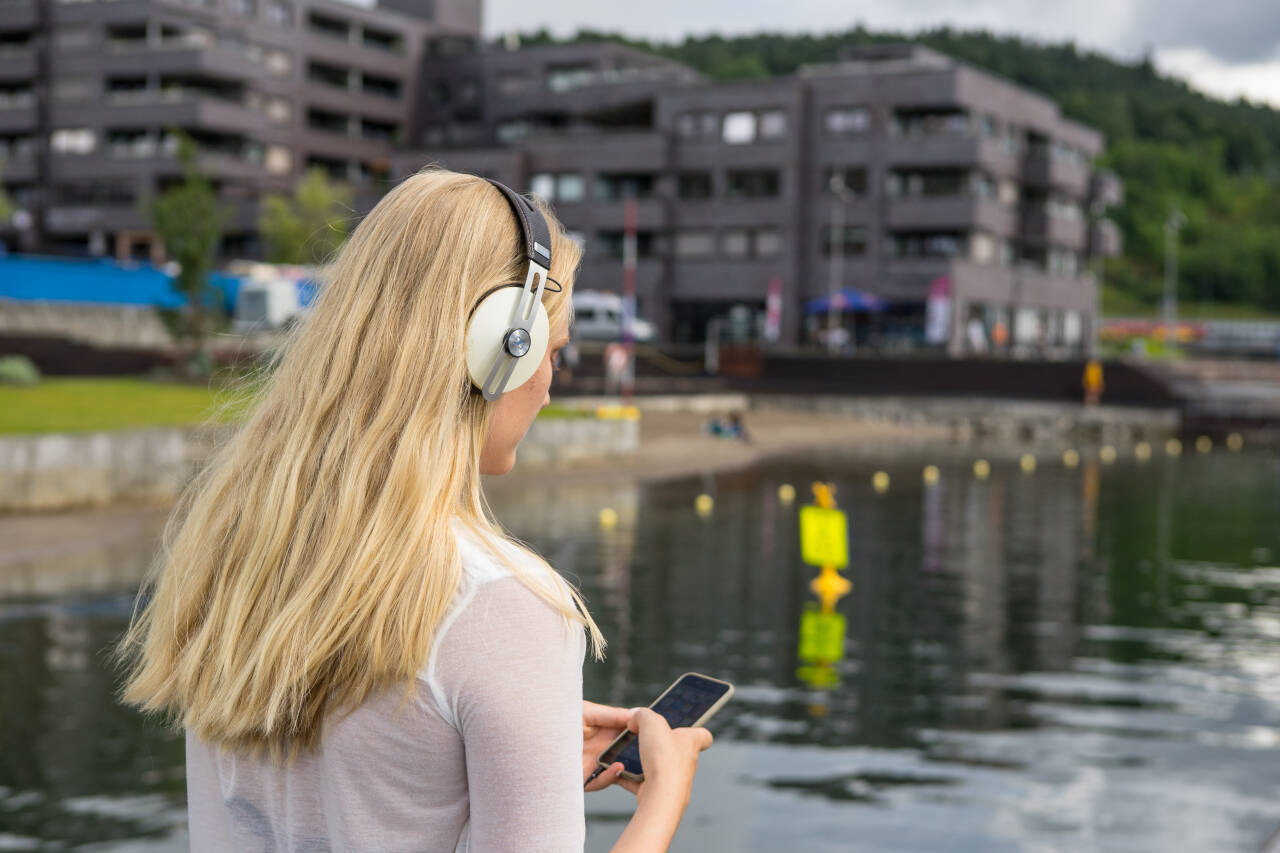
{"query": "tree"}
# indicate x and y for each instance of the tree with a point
(6, 205)
(309, 226)
(190, 221)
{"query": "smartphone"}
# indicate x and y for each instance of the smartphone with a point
(690, 701)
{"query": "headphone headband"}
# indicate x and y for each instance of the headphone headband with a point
(533, 226)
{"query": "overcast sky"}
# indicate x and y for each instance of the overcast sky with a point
(1225, 47)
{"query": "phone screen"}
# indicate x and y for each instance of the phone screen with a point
(682, 705)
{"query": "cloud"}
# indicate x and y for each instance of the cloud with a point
(1236, 31)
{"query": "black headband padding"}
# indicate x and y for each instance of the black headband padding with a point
(533, 225)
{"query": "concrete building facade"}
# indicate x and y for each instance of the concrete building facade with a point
(91, 92)
(954, 182)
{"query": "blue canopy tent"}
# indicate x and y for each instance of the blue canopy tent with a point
(849, 299)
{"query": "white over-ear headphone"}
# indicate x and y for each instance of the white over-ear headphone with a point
(507, 332)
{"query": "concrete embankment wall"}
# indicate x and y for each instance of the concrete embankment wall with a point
(63, 470)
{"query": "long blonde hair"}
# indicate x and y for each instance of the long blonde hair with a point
(311, 562)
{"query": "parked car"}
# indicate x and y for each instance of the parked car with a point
(270, 297)
(597, 316)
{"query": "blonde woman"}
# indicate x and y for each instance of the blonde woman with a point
(360, 658)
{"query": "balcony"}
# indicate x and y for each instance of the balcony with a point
(1039, 227)
(962, 212)
(1105, 239)
(180, 56)
(934, 150)
(183, 107)
(1043, 169)
(17, 63)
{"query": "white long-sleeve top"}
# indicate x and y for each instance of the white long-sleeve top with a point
(485, 757)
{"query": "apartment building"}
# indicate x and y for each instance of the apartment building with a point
(93, 91)
(948, 181)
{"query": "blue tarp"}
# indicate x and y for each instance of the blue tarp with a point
(853, 300)
(98, 280)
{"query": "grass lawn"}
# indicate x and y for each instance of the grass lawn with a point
(85, 405)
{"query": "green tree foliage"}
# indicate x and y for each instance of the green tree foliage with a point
(309, 226)
(1217, 161)
(190, 221)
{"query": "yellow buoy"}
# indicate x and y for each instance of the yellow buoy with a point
(880, 482)
(608, 518)
(931, 475)
(1142, 450)
(1235, 442)
(1070, 458)
(1107, 454)
(786, 493)
(1204, 444)
(1173, 447)
(704, 504)
(982, 469)
(1027, 463)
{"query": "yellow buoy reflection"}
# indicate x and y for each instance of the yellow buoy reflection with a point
(1173, 447)
(1027, 463)
(1204, 444)
(1142, 451)
(880, 482)
(1235, 442)
(608, 518)
(1070, 458)
(1107, 454)
(787, 493)
(931, 475)
(982, 469)
(704, 504)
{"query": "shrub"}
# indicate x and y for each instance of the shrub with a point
(18, 370)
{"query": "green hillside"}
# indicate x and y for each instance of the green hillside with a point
(1217, 161)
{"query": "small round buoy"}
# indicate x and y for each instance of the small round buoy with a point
(931, 475)
(1173, 447)
(1027, 463)
(1235, 442)
(1142, 451)
(608, 518)
(786, 493)
(982, 469)
(1070, 458)
(1204, 444)
(704, 504)
(880, 482)
(1107, 454)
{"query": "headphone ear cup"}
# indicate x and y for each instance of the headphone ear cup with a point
(486, 331)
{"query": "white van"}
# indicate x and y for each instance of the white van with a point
(267, 299)
(597, 316)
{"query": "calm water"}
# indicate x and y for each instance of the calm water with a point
(1069, 660)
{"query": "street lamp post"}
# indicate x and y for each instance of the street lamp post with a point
(841, 194)
(1175, 221)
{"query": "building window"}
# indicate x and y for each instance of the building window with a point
(543, 185)
(735, 243)
(570, 187)
(73, 140)
(695, 244)
(615, 186)
(279, 13)
(328, 75)
(983, 248)
(854, 179)
(379, 40)
(932, 183)
(752, 183)
(131, 143)
(610, 244)
(767, 242)
(385, 87)
(278, 159)
(739, 128)
(929, 122)
(928, 244)
(563, 78)
(773, 124)
(243, 8)
(510, 132)
(847, 120)
(698, 123)
(852, 239)
(982, 185)
(692, 186)
(1007, 192)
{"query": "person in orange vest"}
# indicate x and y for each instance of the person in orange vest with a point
(1093, 384)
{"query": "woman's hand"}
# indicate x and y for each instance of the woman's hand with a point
(669, 757)
(600, 725)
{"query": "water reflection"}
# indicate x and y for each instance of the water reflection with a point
(1070, 659)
